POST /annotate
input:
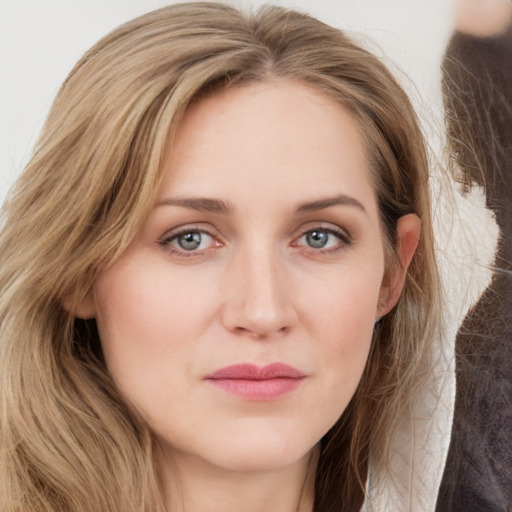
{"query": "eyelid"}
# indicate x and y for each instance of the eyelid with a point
(344, 236)
(165, 240)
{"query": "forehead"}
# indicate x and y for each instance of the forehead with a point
(281, 137)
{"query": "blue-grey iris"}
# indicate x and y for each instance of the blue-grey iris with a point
(190, 241)
(317, 239)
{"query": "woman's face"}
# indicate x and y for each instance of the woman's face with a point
(239, 322)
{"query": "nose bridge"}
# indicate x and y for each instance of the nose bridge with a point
(259, 300)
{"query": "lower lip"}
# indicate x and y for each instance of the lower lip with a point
(258, 390)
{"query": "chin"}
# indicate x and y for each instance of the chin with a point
(262, 453)
(260, 461)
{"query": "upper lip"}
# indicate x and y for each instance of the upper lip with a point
(248, 371)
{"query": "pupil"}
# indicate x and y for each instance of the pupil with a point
(190, 241)
(317, 239)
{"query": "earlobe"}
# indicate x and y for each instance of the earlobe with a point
(407, 238)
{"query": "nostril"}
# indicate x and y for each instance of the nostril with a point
(260, 334)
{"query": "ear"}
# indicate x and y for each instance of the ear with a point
(84, 308)
(407, 237)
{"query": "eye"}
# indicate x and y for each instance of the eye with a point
(317, 239)
(324, 239)
(191, 241)
(188, 242)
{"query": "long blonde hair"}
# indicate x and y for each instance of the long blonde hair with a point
(67, 440)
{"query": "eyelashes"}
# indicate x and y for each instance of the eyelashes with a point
(189, 241)
(324, 240)
(196, 241)
(192, 241)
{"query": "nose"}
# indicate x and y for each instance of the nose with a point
(258, 296)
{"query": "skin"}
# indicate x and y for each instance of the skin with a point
(483, 18)
(253, 291)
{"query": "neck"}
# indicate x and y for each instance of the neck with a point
(194, 485)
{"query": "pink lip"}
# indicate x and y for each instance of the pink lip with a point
(257, 383)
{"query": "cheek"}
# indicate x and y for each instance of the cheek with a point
(344, 308)
(148, 320)
(341, 321)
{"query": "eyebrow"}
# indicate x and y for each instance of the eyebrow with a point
(322, 204)
(205, 204)
(201, 204)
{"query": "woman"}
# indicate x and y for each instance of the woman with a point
(218, 283)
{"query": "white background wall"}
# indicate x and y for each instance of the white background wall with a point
(40, 40)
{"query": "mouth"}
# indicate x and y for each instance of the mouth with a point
(257, 383)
